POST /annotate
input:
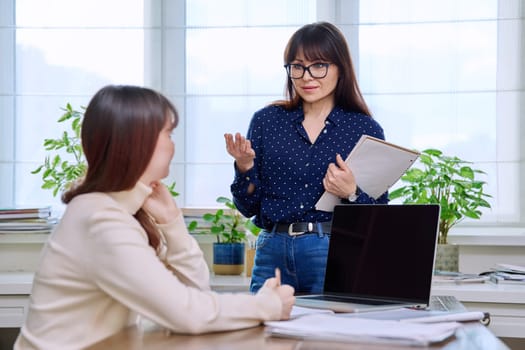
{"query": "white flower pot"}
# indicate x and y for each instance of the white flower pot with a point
(447, 257)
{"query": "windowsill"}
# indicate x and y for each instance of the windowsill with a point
(488, 236)
(40, 238)
(26, 238)
(20, 283)
(471, 236)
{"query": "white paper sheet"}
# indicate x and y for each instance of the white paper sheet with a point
(298, 311)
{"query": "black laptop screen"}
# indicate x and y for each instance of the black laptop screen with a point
(383, 251)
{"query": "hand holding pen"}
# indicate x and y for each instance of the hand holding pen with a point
(285, 292)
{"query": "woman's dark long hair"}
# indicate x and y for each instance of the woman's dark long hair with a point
(324, 41)
(120, 129)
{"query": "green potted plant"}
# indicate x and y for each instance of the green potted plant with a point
(450, 182)
(58, 173)
(230, 228)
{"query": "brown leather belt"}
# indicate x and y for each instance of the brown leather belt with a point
(298, 228)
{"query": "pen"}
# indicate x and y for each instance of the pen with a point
(278, 276)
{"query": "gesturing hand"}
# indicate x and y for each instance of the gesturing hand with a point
(241, 149)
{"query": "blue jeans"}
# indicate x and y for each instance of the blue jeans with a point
(302, 260)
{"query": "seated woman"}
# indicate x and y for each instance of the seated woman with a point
(122, 248)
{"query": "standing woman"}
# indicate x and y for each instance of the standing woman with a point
(294, 150)
(122, 247)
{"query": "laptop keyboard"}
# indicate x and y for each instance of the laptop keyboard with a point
(445, 303)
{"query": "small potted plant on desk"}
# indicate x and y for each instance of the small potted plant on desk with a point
(450, 182)
(230, 228)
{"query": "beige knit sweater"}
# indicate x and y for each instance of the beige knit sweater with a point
(97, 272)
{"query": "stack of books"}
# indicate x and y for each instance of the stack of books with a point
(508, 274)
(26, 220)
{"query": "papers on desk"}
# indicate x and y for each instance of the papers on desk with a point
(466, 316)
(404, 326)
(352, 329)
(376, 165)
(422, 316)
(298, 311)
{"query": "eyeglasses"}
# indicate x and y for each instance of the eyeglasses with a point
(316, 70)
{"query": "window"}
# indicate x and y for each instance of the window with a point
(57, 52)
(446, 74)
(435, 73)
(234, 53)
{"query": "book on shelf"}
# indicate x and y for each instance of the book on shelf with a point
(25, 213)
(26, 220)
(27, 225)
(500, 277)
(506, 274)
(509, 268)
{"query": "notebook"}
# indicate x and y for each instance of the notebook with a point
(381, 256)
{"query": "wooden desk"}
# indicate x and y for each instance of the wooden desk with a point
(472, 336)
(506, 303)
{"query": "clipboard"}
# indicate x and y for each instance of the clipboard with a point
(377, 165)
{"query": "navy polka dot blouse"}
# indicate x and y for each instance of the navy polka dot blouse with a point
(289, 169)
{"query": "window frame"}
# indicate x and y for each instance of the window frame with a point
(164, 69)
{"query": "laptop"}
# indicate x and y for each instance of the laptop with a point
(381, 256)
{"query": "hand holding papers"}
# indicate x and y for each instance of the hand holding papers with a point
(376, 165)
